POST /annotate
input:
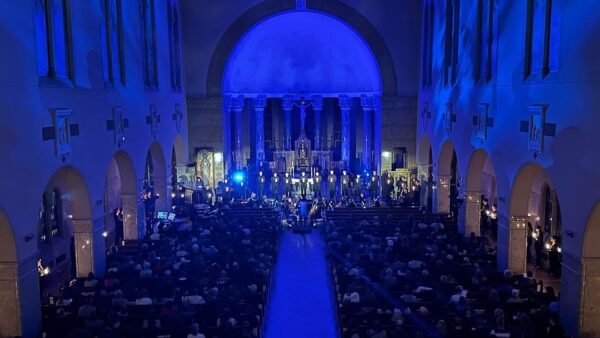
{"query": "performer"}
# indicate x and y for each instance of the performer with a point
(261, 184)
(275, 186)
(304, 207)
(357, 185)
(331, 179)
(316, 187)
(374, 185)
(303, 184)
(344, 181)
(287, 181)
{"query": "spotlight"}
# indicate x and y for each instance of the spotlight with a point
(172, 195)
(105, 234)
(238, 177)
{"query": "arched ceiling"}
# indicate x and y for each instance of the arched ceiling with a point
(301, 51)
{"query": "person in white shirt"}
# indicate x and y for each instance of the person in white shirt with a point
(194, 332)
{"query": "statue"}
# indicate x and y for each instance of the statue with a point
(302, 105)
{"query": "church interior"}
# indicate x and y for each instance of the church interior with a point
(299, 168)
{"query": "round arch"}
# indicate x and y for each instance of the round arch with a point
(121, 192)
(269, 8)
(10, 307)
(156, 174)
(480, 181)
(589, 326)
(447, 177)
(264, 62)
(73, 235)
(526, 207)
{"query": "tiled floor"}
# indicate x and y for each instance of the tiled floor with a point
(301, 303)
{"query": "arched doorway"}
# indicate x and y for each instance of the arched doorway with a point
(155, 175)
(447, 180)
(10, 307)
(590, 277)
(121, 194)
(481, 195)
(534, 218)
(425, 168)
(66, 232)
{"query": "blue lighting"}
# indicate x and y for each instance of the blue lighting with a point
(238, 177)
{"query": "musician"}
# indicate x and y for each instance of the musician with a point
(357, 185)
(275, 186)
(287, 181)
(303, 184)
(374, 185)
(331, 179)
(304, 207)
(316, 187)
(344, 181)
(261, 184)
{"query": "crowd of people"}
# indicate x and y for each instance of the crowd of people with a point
(208, 278)
(420, 278)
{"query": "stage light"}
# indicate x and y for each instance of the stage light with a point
(238, 177)
(105, 234)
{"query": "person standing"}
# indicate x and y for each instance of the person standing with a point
(275, 186)
(374, 185)
(303, 184)
(357, 185)
(331, 179)
(538, 245)
(118, 217)
(316, 187)
(287, 181)
(261, 184)
(344, 181)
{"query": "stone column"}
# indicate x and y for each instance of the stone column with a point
(84, 257)
(473, 213)
(287, 106)
(237, 107)
(517, 245)
(367, 138)
(20, 298)
(130, 223)
(317, 105)
(345, 106)
(226, 120)
(590, 296)
(259, 104)
(443, 194)
(377, 136)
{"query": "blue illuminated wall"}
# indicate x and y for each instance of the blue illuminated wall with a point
(302, 51)
(569, 87)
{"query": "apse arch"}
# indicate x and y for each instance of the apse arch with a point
(301, 51)
(268, 8)
(590, 288)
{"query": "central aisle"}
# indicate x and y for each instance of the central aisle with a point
(301, 303)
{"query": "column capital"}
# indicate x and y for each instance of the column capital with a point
(237, 103)
(259, 102)
(317, 102)
(227, 102)
(345, 102)
(288, 102)
(366, 102)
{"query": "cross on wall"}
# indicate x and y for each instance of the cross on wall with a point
(118, 124)
(177, 116)
(537, 128)
(425, 115)
(153, 120)
(61, 132)
(482, 121)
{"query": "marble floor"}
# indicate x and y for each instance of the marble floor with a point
(301, 303)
